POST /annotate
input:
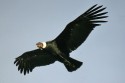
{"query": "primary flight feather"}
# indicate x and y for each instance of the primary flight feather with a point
(59, 49)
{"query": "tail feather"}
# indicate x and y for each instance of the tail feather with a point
(72, 65)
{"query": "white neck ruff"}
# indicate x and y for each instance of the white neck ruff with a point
(44, 44)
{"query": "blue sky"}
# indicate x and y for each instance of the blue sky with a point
(23, 23)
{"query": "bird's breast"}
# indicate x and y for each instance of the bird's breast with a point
(52, 48)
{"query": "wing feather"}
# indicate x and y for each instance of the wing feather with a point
(78, 30)
(31, 59)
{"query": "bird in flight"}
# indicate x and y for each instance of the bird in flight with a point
(59, 49)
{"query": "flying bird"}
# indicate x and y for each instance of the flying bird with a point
(59, 49)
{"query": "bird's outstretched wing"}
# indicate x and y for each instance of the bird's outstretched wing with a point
(78, 30)
(31, 59)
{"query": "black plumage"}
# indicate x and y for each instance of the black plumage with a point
(29, 60)
(69, 40)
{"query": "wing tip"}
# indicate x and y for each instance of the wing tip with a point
(94, 8)
(23, 67)
(95, 13)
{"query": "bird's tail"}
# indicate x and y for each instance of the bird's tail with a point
(72, 64)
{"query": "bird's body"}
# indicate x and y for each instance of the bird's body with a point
(59, 49)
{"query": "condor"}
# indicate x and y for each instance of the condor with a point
(59, 49)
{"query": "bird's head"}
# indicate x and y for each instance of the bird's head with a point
(41, 45)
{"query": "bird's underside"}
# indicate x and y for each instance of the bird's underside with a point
(68, 40)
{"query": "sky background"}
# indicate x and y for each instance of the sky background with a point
(23, 23)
